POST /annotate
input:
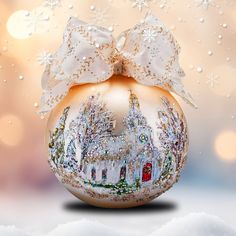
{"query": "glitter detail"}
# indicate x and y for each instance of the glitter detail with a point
(88, 157)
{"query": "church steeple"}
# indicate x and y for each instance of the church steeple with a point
(135, 118)
(133, 101)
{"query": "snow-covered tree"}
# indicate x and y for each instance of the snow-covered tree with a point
(94, 121)
(173, 134)
(57, 141)
(70, 162)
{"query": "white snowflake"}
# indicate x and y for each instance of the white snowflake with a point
(212, 80)
(149, 35)
(52, 3)
(205, 3)
(164, 3)
(45, 58)
(100, 16)
(34, 19)
(229, 2)
(140, 4)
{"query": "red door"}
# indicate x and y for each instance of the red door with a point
(147, 172)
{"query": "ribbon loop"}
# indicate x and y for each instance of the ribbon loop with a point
(89, 54)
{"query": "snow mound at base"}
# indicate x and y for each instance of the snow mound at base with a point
(83, 227)
(11, 231)
(196, 224)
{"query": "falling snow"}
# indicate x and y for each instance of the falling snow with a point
(164, 3)
(140, 4)
(149, 35)
(34, 20)
(99, 15)
(205, 3)
(212, 80)
(52, 4)
(45, 58)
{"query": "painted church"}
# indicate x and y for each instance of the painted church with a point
(131, 155)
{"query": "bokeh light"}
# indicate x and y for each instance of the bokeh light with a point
(225, 145)
(22, 24)
(11, 130)
(17, 25)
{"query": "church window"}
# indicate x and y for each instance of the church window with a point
(93, 174)
(123, 172)
(104, 174)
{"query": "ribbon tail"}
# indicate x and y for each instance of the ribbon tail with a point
(52, 96)
(185, 95)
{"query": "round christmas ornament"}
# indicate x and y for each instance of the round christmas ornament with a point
(116, 136)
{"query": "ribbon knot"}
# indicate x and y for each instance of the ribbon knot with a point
(89, 54)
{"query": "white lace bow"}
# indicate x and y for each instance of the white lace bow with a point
(89, 54)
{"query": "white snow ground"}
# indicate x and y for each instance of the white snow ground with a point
(181, 211)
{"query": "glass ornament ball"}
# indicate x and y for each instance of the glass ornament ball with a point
(118, 143)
